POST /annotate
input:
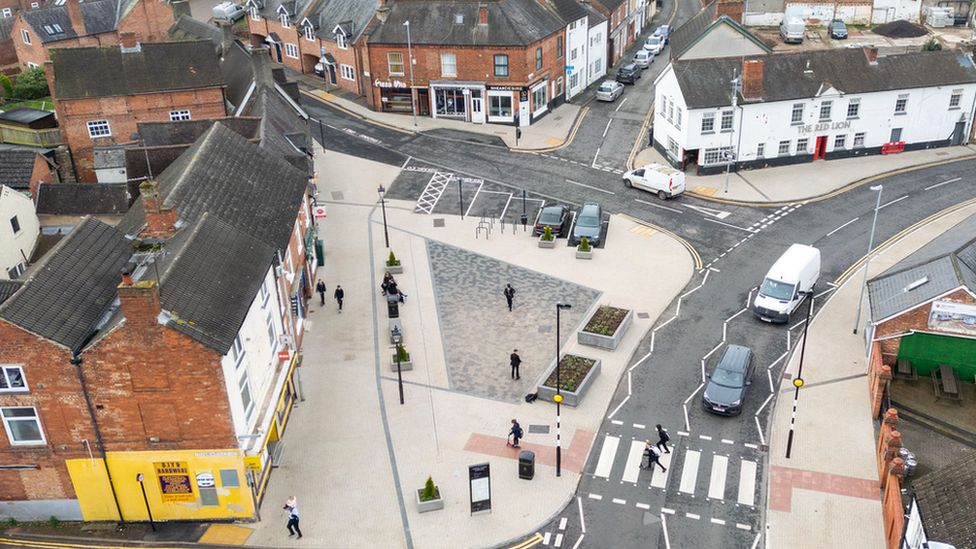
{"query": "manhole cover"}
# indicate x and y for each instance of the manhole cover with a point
(337, 195)
(539, 429)
(643, 315)
(787, 375)
(439, 222)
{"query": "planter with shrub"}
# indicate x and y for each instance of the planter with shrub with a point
(405, 363)
(584, 250)
(576, 375)
(547, 240)
(393, 265)
(429, 497)
(606, 327)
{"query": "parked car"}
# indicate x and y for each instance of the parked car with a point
(643, 59)
(666, 181)
(838, 29)
(728, 383)
(629, 73)
(588, 224)
(227, 11)
(609, 90)
(664, 32)
(556, 218)
(654, 44)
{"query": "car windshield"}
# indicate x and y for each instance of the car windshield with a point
(776, 289)
(653, 41)
(551, 217)
(606, 88)
(728, 378)
(588, 221)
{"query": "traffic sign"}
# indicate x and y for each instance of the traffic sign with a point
(570, 68)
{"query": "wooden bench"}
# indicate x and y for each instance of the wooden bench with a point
(905, 370)
(945, 381)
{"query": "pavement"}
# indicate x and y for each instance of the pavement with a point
(355, 456)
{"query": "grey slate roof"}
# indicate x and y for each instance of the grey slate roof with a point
(82, 199)
(949, 262)
(187, 28)
(283, 132)
(24, 115)
(692, 29)
(49, 17)
(610, 5)
(156, 67)
(510, 23)
(185, 132)
(569, 10)
(16, 167)
(237, 74)
(66, 295)
(945, 501)
(704, 82)
(295, 9)
(595, 17)
(210, 309)
(8, 288)
(249, 187)
(99, 16)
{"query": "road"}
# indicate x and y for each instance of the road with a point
(713, 494)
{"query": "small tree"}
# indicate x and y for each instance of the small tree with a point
(402, 354)
(31, 84)
(547, 234)
(392, 261)
(584, 245)
(430, 491)
(932, 45)
(8, 87)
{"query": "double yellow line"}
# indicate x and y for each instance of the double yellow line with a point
(683, 242)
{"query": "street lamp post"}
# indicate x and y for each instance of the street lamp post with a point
(413, 106)
(525, 216)
(798, 381)
(867, 261)
(386, 232)
(460, 200)
(397, 339)
(559, 397)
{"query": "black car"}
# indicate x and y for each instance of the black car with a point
(556, 218)
(838, 29)
(629, 73)
(728, 383)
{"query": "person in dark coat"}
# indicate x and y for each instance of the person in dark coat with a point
(663, 438)
(338, 295)
(320, 288)
(516, 360)
(387, 280)
(652, 454)
(516, 433)
(509, 295)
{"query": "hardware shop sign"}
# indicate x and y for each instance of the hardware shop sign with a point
(174, 481)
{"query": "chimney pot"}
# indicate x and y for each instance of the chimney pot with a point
(126, 279)
(128, 40)
(872, 54)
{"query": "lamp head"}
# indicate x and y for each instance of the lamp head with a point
(381, 190)
(564, 306)
(876, 187)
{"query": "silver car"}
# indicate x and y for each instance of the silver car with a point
(588, 224)
(609, 91)
(643, 58)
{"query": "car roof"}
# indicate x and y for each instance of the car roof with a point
(554, 207)
(734, 358)
(590, 208)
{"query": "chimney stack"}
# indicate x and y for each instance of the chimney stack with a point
(74, 13)
(180, 8)
(226, 37)
(160, 222)
(483, 15)
(872, 54)
(261, 66)
(140, 301)
(730, 8)
(752, 79)
(128, 40)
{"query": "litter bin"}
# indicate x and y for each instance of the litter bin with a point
(393, 308)
(526, 464)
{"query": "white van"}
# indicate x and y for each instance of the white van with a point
(792, 29)
(227, 11)
(666, 181)
(782, 291)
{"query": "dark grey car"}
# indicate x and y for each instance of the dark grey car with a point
(588, 224)
(728, 383)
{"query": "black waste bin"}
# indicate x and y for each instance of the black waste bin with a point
(526, 464)
(393, 308)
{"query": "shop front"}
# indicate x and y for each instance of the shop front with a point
(459, 100)
(503, 102)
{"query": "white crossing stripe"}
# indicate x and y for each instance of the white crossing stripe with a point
(559, 541)
(606, 456)
(639, 426)
(716, 482)
(619, 501)
(693, 516)
(660, 478)
(747, 483)
(632, 468)
(562, 523)
(643, 506)
(545, 539)
(743, 526)
(596, 496)
(689, 473)
(718, 521)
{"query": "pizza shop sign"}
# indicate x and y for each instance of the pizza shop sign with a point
(391, 84)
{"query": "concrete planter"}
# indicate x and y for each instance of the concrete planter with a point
(580, 254)
(608, 342)
(395, 269)
(547, 243)
(404, 366)
(432, 505)
(570, 398)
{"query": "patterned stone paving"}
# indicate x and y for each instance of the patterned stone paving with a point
(479, 331)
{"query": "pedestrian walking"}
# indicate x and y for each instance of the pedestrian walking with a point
(320, 288)
(509, 295)
(663, 438)
(338, 295)
(652, 454)
(516, 433)
(516, 360)
(291, 506)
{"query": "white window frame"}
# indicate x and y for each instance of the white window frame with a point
(901, 104)
(32, 65)
(853, 108)
(802, 144)
(255, 16)
(341, 41)
(272, 331)
(348, 72)
(7, 12)
(265, 294)
(95, 130)
(14, 272)
(35, 5)
(761, 150)
(826, 108)
(10, 433)
(727, 116)
(283, 19)
(784, 148)
(25, 36)
(677, 119)
(859, 138)
(309, 33)
(955, 100)
(715, 155)
(840, 141)
(797, 115)
(391, 63)
(291, 50)
(708, 123)
(448, 64)
(183, 114)
(6, 385)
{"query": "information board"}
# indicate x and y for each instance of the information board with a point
(479, 479)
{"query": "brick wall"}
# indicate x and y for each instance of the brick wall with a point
(149, 20)
(916, 319)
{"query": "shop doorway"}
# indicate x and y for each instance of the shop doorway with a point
(689, 160)
(477, 107)
(423, 102)
(821, 149)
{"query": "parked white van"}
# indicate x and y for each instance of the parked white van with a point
(666, 181)
(792, 29)
(227, 11)
(782, 291)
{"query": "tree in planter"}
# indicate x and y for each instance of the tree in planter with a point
(393, 261)
(402, 354)
(584, 245)
(547, 234)
(430, 492)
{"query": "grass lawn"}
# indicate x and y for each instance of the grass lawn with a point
(44, 104)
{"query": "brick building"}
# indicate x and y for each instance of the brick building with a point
(73, 23)
(154, 82)
(120, 359)
(626, 19)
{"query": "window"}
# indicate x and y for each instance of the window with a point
(14, 224)
(179, 115)
(395, 61)
(22, 425)
(597, 65)
(574, 80)
(538, 59)
(559, 47)
(14, 272)
(853, 108)
(348, 72)
(255, 16)
(539, 100)
(901, 104)
(265, 294)
(448, 64)
(309, 33)
(284, 20)
(708, 122)
(801, 145)
(229, 479)
(291, 50)
(677, 120)
(237, 351)
(839, 142)
(572, 55)
(955, 99)
(7, 12)
(726, 121)
(244, 385)
(499, 105)
(12, 379)
(664, 105)
(98, 128)
(31, 65)
(559, 86)
(272, 332)
(341, 41)
(797, 117)
(670, 110)
(784, 147)
(673, 147)
(895, 135)
(714, 156)
(825, 110)
(859, 139)
(35, 5)
(501, 65)
(761, 150)
(25, 36)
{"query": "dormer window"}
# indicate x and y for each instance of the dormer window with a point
(255, 16)
(341, 41)
(53, 29)
(309, 33)
(459, 19)
(284, 20)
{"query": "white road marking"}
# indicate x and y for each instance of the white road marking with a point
(842, 226)
(718, 214)
(727, 441)
(747, 483)
(720, 522)
(658, 206)
(578, 541)
(617, 422)
(620, 105)
(704, 437)
(545, 538)
(639, 426)
(632, 468)
(643, 506)
(619, 501)
(667, 511)
(605, 130)
(605, 463)
(893, 201)
(596, 497)
(930, 187)
(579, 504)
(693, 516)
(689, 473)
(745, 527)
(750, 445)
(559, 541)
(716, 481)
(589, 187)
(660, 478)
(562, 523)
